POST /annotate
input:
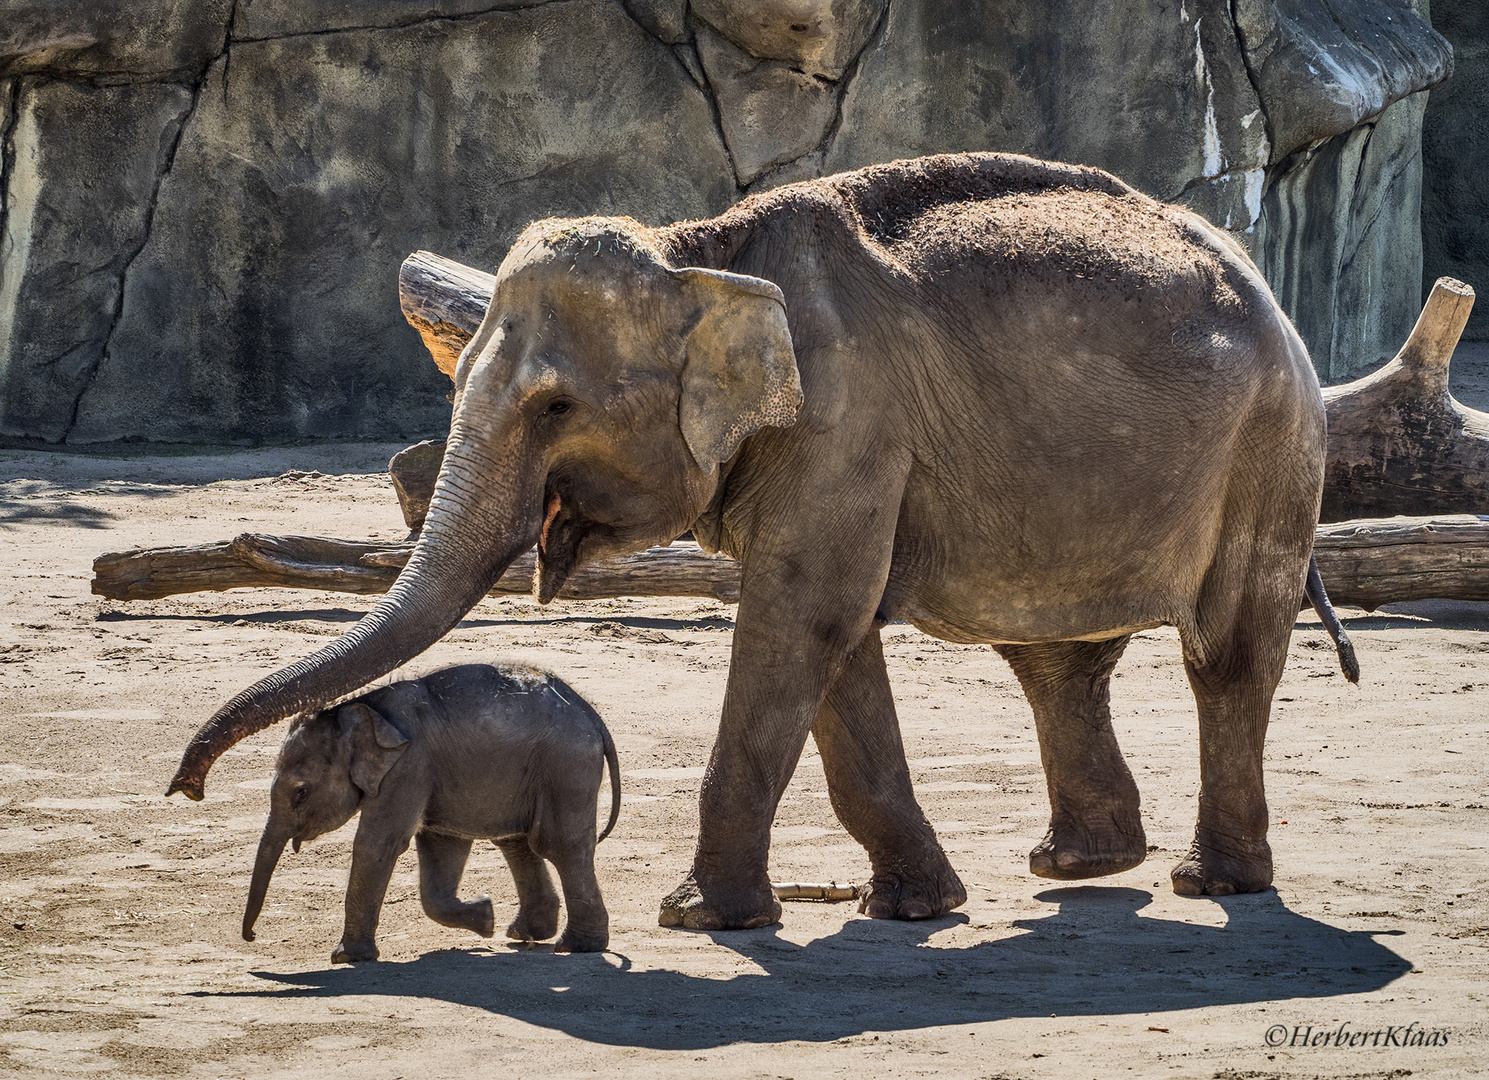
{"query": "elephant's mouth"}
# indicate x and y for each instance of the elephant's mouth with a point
(580, 525)
(558, 545)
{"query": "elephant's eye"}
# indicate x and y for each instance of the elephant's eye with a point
(301, 794)
(558, 408)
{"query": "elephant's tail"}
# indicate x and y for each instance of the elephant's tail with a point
(1320, 601)
(614, 763)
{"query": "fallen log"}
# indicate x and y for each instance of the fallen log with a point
(1365, 563)
(1399, 442)
(257, 561)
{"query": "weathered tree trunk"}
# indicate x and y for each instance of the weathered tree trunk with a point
(414, 471)
(1399, 443)
(314, 562)
(1366, 563)
(444, 301)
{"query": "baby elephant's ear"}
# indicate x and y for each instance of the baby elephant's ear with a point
(740, 374)
(376, 745)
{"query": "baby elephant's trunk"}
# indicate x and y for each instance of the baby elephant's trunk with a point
(271, 846)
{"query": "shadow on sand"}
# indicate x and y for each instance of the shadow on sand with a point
(1093, 956)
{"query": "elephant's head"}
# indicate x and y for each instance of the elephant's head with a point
(329, 762)
(593, 407)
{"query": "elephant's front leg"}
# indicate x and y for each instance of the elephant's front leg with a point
(800, 616)
(375, 852)
(868, 781)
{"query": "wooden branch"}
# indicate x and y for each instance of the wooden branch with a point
(312, 562)
(1399, 442)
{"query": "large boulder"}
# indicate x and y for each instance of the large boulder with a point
(203, 205)
(264, 303)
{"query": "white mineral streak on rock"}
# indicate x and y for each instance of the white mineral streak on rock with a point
(1214, 164)
(21, 203)
(1255, 180)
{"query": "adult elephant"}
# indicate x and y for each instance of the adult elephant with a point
(1008, 401)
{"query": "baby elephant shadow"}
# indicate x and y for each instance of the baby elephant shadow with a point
(1094, 955)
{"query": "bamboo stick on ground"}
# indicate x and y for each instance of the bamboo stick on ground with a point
(831, 892)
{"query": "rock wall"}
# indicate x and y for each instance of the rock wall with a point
(204, 203)
(1455, 151)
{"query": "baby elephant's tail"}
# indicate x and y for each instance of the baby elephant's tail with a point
(614, 763)
(1320, 601)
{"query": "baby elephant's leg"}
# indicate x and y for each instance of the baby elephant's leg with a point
(588, 925)
(537, 903)
(441, 864)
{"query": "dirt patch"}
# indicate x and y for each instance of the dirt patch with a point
(119, 909)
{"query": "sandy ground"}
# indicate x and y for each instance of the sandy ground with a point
(119, 909)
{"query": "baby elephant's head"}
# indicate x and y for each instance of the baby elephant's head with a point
(329, 762)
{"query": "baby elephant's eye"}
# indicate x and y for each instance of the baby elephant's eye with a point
(559, 407)
(301, 794)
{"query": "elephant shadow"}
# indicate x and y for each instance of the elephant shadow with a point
(1094, 956)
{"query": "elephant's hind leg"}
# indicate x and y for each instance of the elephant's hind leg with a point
(537, 902)
(858, 734)
(1095, 824)
(441, 865)
(1233, 689)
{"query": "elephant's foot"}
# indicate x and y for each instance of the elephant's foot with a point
(354, 952)
(535, 922)
(577, 939)
(476, 916)
(1220, 865)
(695, 907)
(921, 894)
(1074, 849)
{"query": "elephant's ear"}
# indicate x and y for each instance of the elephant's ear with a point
(376, 745)
(740, 374)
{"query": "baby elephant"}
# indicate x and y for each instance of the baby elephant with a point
(471, 752)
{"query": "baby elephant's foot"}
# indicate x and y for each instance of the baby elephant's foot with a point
(582, 940)
(535, 922)
(479, 916)
(1223, 866)
(1073, 850)
(925, 895)
(354, 952)
(476, 916)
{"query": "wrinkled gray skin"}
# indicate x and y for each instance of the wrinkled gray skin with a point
(1008, 401)
(467, 753)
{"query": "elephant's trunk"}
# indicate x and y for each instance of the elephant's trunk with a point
(485, 512)
(271, 846)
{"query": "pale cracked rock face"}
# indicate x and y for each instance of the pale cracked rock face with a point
(203, 206)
